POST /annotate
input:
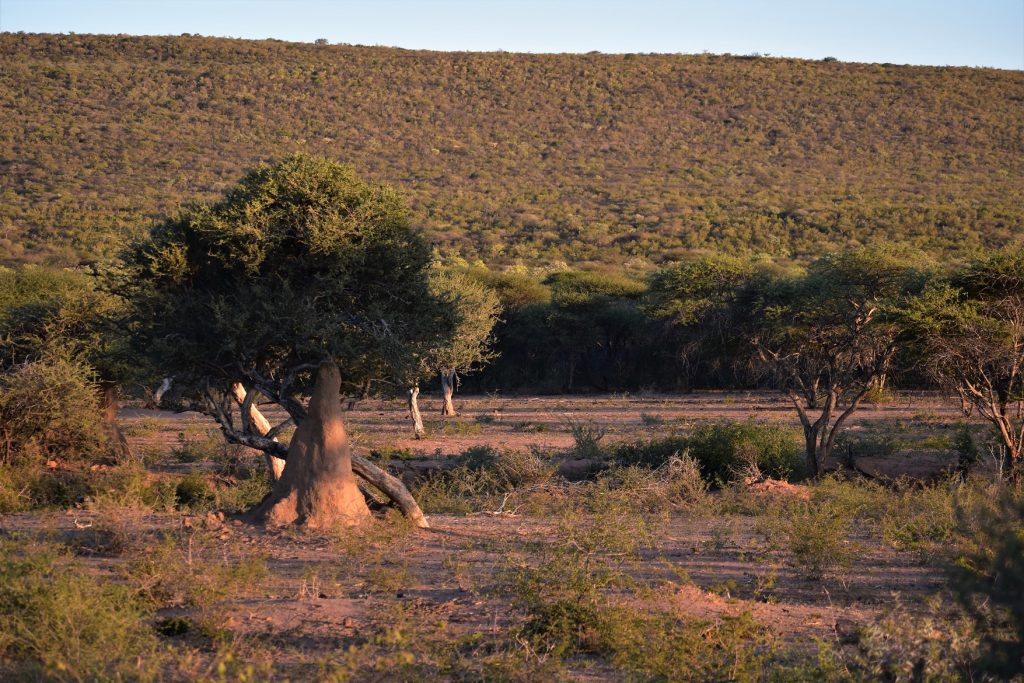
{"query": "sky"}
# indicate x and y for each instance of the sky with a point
(939, 32)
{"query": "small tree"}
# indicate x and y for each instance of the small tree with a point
(302, 263)
(971, 332)
(474, 309)
(823, 338)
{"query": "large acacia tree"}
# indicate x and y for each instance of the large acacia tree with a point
(302, 263)
(823, 337)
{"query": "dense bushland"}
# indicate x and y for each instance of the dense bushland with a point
(540, 159)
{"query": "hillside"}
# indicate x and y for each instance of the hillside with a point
(592, 158)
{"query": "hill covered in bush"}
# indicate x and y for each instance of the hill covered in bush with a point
(590, 159)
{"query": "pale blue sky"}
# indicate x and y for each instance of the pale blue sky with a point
(959, 32)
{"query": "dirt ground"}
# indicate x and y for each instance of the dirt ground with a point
(522, 422)
(317, 597)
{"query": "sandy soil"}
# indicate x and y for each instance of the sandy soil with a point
(316, 600)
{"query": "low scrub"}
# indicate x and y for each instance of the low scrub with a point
(59, 621)
(578, 597)
(724, 450)
(483, 478)
(50, 410)
(814, 534)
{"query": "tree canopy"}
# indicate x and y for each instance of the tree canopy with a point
(970, 327)
(302, 262)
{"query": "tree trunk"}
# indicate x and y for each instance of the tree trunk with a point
(275, 466)
(811, 445)
(447, 389)
(164, 387)
(118, 443)
(318, 487)
(414, 412)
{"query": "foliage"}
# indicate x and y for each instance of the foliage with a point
(723, 450)
(511, 157)
(49, 409)
(988, 578)
(302, 261)
(60, 621)
(814, 533)
(473, 308)
(971, 333)
(822, 337)
(695, 301)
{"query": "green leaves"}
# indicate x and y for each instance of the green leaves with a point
(302, 261)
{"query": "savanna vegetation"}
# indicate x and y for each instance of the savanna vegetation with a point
(632, 160)
(282, 515)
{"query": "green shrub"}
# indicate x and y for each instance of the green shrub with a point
(586, 436)
(918, 518)
(59, 621)
(243, 493)
(901, 646)
(814, 534)
(49, 409)
(28, 487)
(725, 450)
(653, 453)
(193, 492)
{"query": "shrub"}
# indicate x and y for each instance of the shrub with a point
(988, 577)
(814, 534)
(566, 596)
(586, 436)
(193, 492)
(50, 409)
(59, 621)
(483, 476)
(919, 518)
(903, 647)
(194, 569)
(724, 450)
(29, 487)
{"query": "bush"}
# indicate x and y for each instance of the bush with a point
(50, 409)
(59, 621)
(483, 477)
(724, 450)
(814, 534)
(988, 577)
(193, 492)
(586, 437)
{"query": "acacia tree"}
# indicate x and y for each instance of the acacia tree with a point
(823, 338)
(302, 263)
(971, 332)
(475, 309)
(471, 310)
